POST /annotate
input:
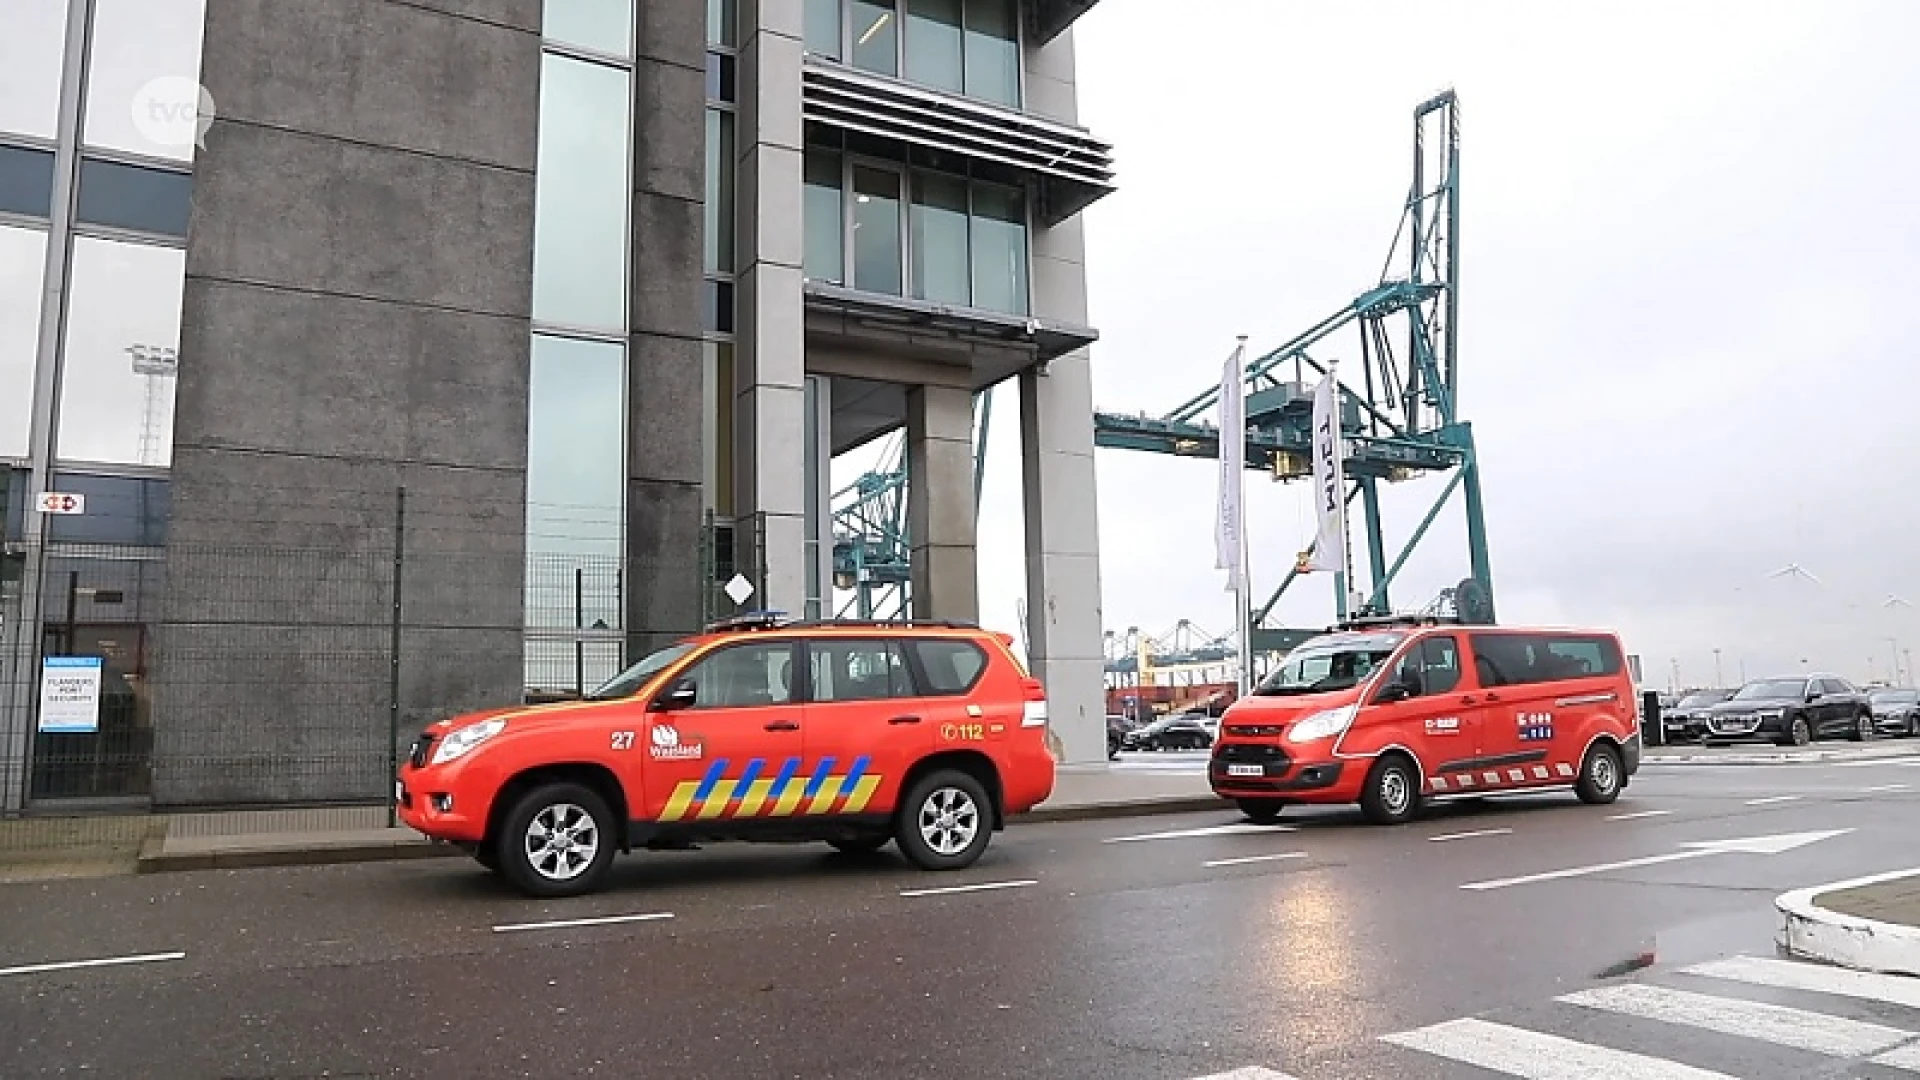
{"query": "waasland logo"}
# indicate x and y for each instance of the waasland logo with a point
(668, 747)
(172, 111)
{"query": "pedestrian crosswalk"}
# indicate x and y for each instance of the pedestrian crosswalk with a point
(1738, 1018)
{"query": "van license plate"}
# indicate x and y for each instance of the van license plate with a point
(1246, 770)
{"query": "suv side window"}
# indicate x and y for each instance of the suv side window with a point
(849, 669)
(952, 666)
(742, 676)
(1433, 665)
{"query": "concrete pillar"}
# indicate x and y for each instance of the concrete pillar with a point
(770, 350)
(1065, 647)
(940, 521)
(819, 469)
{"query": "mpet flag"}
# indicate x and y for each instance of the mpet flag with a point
(1329, 480)
(1227, 545)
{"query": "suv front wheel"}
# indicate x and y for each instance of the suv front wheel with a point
(945, 821)
(558, 840)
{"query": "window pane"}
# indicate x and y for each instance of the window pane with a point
(142, 82)
(120, 510)
(825, 221)
(876, 230)
(952, 667)
(601, 25)
(13, 512)
(716, 306)
(993, 51)
(26, 181)
(716, 395)
(581, 199)
(876, 37)
(823, 28)
(722, 22)
(123, 327)
(720, 197)
(36, 33)
(853, 670)
(720, 86)
(23, 264)
(743, 676)
(933, 44)
(133, 197)
(999, 249)
(940, 238)
(576, 481)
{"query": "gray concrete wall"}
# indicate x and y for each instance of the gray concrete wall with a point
(940, 517)
(1064, 619)
(664, 409)
(356, 318)
(770, 351)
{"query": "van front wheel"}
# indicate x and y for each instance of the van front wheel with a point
(1392, 791)
(1600, 775)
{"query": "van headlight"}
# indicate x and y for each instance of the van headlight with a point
(463, 741)
(1322, 725)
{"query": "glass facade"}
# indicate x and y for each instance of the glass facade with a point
(123, 333)
(143, 60)
(717, 315)
(969, 47)
(30, 78)
(964, 242)
(577, 373)
(23, 263)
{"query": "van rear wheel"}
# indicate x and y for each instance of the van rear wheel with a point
(1392, 792)
(1600, 775)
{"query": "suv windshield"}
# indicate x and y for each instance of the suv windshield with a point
(1771, 688)
(1895, 697)
(630, 680)
(1335, 663)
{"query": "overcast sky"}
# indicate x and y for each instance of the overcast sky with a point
(1690, 250)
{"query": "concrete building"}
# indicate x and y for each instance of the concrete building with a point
(475, 346)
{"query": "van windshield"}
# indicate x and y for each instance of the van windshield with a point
(1325, 664)
(629, 681)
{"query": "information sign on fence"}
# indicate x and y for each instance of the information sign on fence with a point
(70, 694)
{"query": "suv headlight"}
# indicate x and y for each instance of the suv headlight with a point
(1322, 725)
(465, 739)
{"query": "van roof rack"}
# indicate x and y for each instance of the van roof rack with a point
(936, 624)
(1374, 622)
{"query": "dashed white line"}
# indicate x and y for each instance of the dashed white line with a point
(1251, 1072)
(560, 924)
(981, 887)
(1638, 814)
(1882, 787)
(1467, 835)
(1771, 799)
(1256, 858)
(69, 965)
(1235, 829)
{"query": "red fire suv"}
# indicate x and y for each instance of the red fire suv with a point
(852, 733)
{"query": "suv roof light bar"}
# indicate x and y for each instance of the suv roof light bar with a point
(748, 620)
(937, 624)
(1374, 621)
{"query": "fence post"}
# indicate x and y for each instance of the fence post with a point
(393, 654)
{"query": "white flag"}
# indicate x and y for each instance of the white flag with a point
(1329, 479)
(1233, 464)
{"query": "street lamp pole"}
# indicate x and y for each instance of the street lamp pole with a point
(1719, 679)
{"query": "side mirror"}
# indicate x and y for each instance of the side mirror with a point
(1397, 691)
(1814, 695)
(680, 697)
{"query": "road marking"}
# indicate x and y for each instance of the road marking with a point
(1256, 858)
(981, 887)
(561, 924)
(1538, 1056)
(1751, 845)
(1639, 814)
(68, 965)
(1238, 828)
(1467, 835)
(1250, 1072)
(1811, 1031)
(1771, 799)
(1882, 787)
(1794, 975)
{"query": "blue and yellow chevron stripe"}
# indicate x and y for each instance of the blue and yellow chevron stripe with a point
(784, 794)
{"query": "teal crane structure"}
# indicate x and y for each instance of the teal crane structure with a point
(1401, 419)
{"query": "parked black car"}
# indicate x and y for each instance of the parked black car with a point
(1792, 711)
(1687, 717)
(1895, 712)
(1169, 733)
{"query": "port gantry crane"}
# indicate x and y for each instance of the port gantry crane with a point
(1401, 420)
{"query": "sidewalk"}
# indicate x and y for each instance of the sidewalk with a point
(356, 834)
(1870, 923)
(1695, 754)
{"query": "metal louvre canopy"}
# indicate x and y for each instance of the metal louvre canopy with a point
(1046, 339)
(1073, 167)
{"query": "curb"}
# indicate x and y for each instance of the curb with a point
(154, 859)
(1791, 757)
(1812, 932)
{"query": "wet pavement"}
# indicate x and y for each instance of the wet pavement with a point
(1532, 935)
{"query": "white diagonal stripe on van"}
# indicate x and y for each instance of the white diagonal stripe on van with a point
(1538, 1056)
(1795, 975)
(1777, 1024)
(1563, 769)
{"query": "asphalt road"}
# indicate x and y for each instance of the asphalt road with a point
(1161, 948)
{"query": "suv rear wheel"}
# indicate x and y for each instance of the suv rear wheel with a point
(557, 840)
(945, 821)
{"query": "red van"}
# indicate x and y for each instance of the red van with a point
(1389, 713)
